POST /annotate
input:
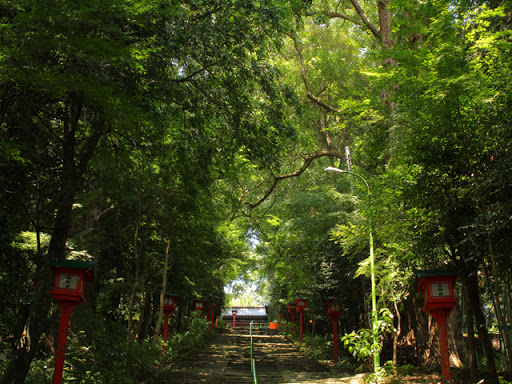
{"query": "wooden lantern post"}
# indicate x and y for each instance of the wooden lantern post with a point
(199, 306)
(68, 292)
(212, 314)
(170, 300)
(437, 287)
(334, 313)
(301, 305)
(234, 312)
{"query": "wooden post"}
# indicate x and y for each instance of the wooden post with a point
(66, 308)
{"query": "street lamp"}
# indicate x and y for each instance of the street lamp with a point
(70, 277)
(376, 355)
(300, 304)
(334, 313)
(170, 301)
(437, 287)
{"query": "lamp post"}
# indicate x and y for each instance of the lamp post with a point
(300, 304)
(233, 312)
(212, 314)
(170, 300)
(334, 313)
(199, 306)
(437, 287)
(68, 292)
(376, 356)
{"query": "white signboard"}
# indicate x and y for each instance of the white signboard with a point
(440, 289)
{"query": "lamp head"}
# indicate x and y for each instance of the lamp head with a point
(332, 170)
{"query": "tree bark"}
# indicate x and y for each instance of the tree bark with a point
(473, 358)
(473, 295)
(495, 290)
(162, 293)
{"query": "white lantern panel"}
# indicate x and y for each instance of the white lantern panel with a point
(68, 281)
(440, 289)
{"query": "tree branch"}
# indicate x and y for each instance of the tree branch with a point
(304, 76)
(364, 18)
(276, 179)
(337, 15)
(192, 76)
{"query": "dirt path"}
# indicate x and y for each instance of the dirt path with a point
(227, 361)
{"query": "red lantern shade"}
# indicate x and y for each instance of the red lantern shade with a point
(170, 301)
(333, 309)
(437, 287)
(300, 304)
(198, 305)
(292, 307)
(70, 278)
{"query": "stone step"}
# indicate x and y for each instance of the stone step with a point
(227, 361)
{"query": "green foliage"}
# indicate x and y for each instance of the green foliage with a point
(190, 340)
(97, 352)
(41, 371)
(361, 343)
(317, 347)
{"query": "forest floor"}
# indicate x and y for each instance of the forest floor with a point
(226, 360)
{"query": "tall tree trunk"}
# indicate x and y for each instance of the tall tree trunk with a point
(473, 357)
(131, 333)
(162, 293)
(473, 295)
(396, 334)
(494, 283)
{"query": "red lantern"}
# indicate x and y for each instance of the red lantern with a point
(199, 305)
(437, 287)
(333, 309)
(170, 300)
(70, 278)
(438, 292)
(68, 292)
(233, 312)
(212, 313)
(334, 313)
(301, 305)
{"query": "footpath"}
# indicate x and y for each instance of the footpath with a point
(226, 360)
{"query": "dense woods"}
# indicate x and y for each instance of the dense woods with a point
(182, 144)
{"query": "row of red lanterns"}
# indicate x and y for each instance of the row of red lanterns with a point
(439, 298)
(170, 302)
(333, 312)
(71, 275)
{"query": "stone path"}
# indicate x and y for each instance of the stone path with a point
(227, 361)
